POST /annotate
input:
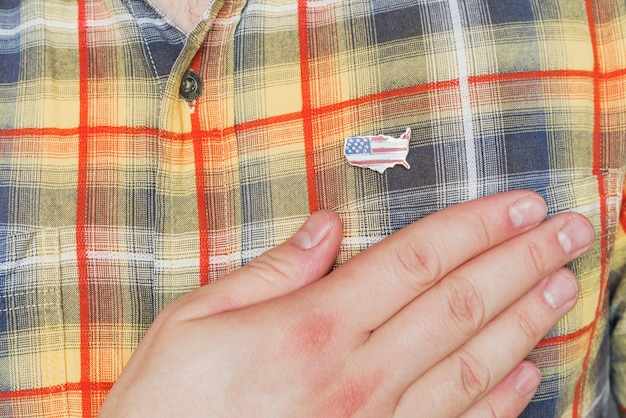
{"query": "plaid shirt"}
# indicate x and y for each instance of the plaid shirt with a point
(117, 196)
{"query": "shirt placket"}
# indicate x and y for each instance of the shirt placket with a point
(198, 165)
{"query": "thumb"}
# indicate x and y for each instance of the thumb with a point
(304, 258)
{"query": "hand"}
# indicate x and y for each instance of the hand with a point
(433, 321)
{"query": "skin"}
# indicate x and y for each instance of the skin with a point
(184, 13)
(445, 309)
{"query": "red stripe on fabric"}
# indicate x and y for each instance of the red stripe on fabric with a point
(387, 95)
(81, 212)
(90, 130)
(273, 120)
(38, 132)
(530, 75)
(198, 135)
(562, 339)
(622, 216)
(203, 223)
(613, 74)
(307, 114)
(597, 171)
(321, 111)
(68, 387)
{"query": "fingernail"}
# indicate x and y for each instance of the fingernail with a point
(575, 235)
(527, 211)
(314, 230)
(560, 289)
(527, 379)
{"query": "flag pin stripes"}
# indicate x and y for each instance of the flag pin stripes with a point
(378, 152)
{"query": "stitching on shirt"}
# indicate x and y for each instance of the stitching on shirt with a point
(154, 67)
(19, 308)
(61, 375)
(222, 92)
(47, 335)
(165, 17)
(34, 292)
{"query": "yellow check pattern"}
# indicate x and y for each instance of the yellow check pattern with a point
(117, 196)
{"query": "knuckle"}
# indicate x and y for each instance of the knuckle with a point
(475, 376)
(465, 304)
(269, 268)
(536, 257)
(495, 409)
(171, 311)
(530, 329)
(168, 320)
(418, 264)
(483, 226)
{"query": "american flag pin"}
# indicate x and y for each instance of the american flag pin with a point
(378, 152)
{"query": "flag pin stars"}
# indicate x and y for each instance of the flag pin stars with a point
(378, 152)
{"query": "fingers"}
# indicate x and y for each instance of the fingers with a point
(305, 257)
(470, 297)
(511, 396)
(395, 271)
(474, 369)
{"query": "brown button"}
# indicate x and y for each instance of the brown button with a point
(191, 86)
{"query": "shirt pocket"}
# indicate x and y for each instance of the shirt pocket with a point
(32, 332)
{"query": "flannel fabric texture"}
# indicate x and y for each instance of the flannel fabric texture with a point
(117, 196)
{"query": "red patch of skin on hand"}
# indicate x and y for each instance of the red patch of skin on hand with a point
(310, 347)
(311, 336)
(352, 397)
(315, 340)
